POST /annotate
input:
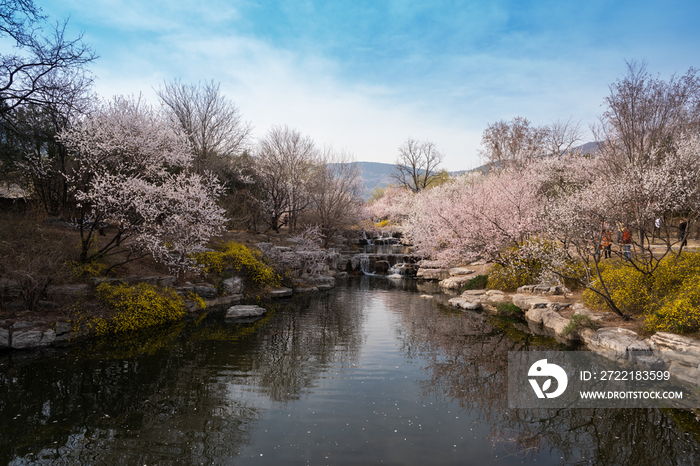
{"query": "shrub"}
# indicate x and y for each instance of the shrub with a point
(519, 266)
(669, 299)
(508, 278)
(679, 312)
(629, 288)
(244, 260)
(33, 255)
(87, 269)
(579, 322)
(138, 307)
(477, 283)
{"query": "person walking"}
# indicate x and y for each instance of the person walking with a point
(606, 241)
(626, 241)
(682, 226)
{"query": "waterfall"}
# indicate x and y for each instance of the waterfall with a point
(364, 264)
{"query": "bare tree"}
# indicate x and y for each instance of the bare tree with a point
(560, 136)
(335, 192)
(212, 122)
(42, 63)
(512, 143)
(647, 115)
(284, 162)
(416, 164)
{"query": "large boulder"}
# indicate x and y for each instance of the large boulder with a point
(617, 343)
(465, 303)
(25, 339)
(233, 285)
(454, 282)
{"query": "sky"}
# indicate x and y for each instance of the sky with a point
(365, 75)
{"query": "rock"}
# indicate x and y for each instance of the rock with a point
(427, 296)
(555, 323)
(67, 290)
(168, 280)
(150, 280)
(24, 339)
(498, 298)
(244, 313)
(381, 267)
(223, 300)
(464, 303)
(206, 291)
(232, 285)
(685, 373)
(4, 338)
(541, 289)
(280, 292)
(526, 302)
(320, 280)
(670, 341)
(614, 343)
(432, 274)
(99, 280)
(455, 271)
(474, 293)
(494, 293)
(594, 316)
(324, 287)
(306, 290)
(454, 282)
(651, 363)
(341, 275)
(19, 325)
(586, 334)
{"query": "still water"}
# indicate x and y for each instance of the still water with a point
(369, 373)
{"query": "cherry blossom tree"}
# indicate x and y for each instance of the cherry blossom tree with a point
(595, 200)
(131, 174)
(473, 217)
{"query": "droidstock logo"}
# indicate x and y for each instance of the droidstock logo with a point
(543, 369)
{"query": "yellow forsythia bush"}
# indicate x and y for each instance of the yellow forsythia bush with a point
(629, 288)
(669, 299)
(680, 312)
(138, 307)
(242, 259)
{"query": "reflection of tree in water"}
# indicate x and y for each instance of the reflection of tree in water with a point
(295, 347)
(468, 354)
(167, 396)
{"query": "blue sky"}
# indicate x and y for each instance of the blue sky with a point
(365, 75)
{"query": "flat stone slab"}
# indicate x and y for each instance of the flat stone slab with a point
(432, 274)
(26, 339)
(455, 282)
(456, 271)
(427, 296)
(244, 313)
(310, 289)
(280, 292)
(615, 343)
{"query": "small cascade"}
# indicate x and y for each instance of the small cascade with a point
(364, 264)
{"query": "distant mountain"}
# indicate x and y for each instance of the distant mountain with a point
(375, 175)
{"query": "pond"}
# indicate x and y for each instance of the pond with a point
(369, 373)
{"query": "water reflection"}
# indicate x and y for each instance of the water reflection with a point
(369, 372)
